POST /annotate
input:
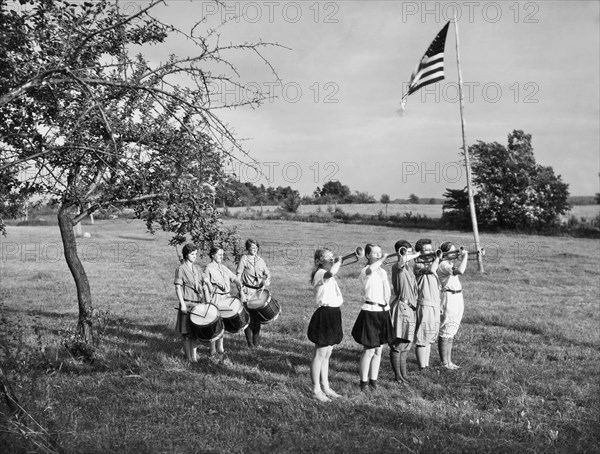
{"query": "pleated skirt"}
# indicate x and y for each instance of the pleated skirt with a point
(373, 329)
(325, 326)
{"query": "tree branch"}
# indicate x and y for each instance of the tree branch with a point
(95, 207)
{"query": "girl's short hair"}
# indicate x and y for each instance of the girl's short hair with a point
(369, 247)
(214, 250)
(422, 242)
(250, 242)
(445, 247)
(402, 243)
(188, 249)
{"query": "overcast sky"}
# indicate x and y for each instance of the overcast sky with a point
(526, 65)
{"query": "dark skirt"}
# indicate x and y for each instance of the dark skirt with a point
(325, 327)
(373, 329)
(184, 323)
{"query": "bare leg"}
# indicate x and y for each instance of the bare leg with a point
(365, 363)
(375, 363)
(319, 357)
(219, 345)
(325, 375)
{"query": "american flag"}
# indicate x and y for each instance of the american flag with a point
(431, 67)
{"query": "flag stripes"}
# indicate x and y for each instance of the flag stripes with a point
(431, 67)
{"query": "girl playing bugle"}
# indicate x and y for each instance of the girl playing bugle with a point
(325, 327)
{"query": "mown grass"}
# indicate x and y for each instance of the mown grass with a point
(529, 349)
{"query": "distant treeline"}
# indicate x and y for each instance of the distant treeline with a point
(236, 193)
(577, 200)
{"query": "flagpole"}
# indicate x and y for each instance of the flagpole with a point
(466, 150)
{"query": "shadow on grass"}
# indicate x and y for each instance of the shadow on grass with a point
(548, 333)
(130, 347)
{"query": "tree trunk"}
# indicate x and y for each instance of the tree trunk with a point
(12, 401)
(91, 214)
(84, 295)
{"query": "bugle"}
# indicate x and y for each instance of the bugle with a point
(429, 257)
(358, 253)
(457, 253)
(404, 252)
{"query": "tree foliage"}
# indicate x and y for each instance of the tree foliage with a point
(92, 123)
(335, 191)
(512, 191)
(233, 192)
(414, 199)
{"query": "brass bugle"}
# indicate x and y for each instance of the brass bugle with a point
(358, 253)
(429, 257)
(449, 255)
(388, 259)
(452, 255)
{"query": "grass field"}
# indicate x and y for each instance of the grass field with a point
(432, 211)
(529, 348)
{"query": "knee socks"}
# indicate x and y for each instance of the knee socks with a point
(443, 350)
(395, 361)
(421, 356)
(403, 368)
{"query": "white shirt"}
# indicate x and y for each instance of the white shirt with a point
(447, 277)
(377, 289)
(327, 292)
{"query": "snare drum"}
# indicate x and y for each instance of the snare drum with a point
(234, 314)
(207, 324)
(264, 306)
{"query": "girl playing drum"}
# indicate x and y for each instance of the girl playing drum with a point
(219, 279)
(254, 275)
(191, 290)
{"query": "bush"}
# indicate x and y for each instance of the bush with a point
(291, 203)
(512, 191)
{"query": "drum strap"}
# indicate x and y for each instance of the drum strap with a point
(193, 288)
(218, 286)
(254, 274)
